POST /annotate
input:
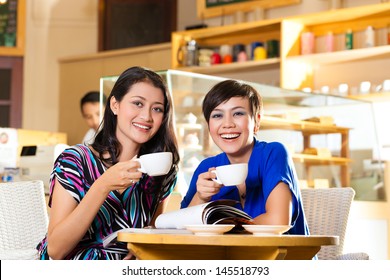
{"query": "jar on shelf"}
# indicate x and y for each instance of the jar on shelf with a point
(369, 37)
(226, 53)
(252, 48)
(215, 58)
(329, 42)
(239, 52)
(205, 57)
(187, 54)
(259, 53)
(307, 43)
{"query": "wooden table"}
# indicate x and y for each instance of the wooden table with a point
(151, 246)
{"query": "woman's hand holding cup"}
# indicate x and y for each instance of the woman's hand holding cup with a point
(209, 183)
(206, 185)
(231, 174)
(120, 176)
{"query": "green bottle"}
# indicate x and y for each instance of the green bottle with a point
(349, 40)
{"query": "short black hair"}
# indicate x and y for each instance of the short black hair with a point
(223, 91)
(92, 96)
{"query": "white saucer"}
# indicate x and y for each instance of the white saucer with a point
(267, 229)
(209, 229)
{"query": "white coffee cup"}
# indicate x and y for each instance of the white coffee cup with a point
(155, 164)
(231, 174)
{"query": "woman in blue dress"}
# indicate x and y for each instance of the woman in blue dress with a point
(270, 193)
(96, 190)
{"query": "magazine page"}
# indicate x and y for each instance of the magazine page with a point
(223, 212)
(178, 219)
(219, 211)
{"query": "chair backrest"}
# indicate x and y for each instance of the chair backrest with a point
(23, 219)
(327, 212)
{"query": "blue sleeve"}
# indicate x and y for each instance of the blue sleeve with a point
(279, 167)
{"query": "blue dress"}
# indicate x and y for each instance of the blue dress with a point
(268, 165)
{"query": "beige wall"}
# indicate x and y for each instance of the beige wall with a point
(54, 29)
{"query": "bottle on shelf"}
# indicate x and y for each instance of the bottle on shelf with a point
(272, 47)
(259, 53)
(187, 54)
(242, 56)
(307, 43)
(329, 42)
(349, 40)
(252, 48)
(215, 58)
(369, 37)
(239, 53)
(226, 53)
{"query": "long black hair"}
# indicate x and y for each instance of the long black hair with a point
(165, 138)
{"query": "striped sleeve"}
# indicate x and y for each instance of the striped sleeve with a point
(69, 172)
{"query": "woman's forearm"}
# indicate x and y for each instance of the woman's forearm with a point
(65, 234)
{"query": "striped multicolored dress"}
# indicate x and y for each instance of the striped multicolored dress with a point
(76, 169)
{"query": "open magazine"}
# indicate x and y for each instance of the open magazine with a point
(214, 212)
(174, 222)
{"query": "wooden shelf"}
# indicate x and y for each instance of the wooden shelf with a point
(234, 67)
(340, 16)
(227, 32)
(372, 97)
(316, 160)
(318, 58)
(242, 33)
(342, 56)
(307, 128)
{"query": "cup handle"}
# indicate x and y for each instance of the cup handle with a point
(216, 179)
(140, 169)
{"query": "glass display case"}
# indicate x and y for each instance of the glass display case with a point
(332, 139)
